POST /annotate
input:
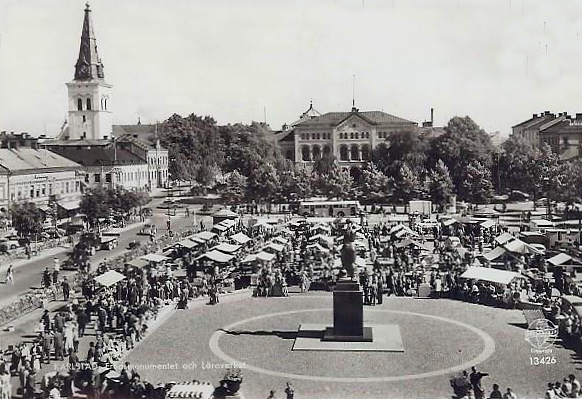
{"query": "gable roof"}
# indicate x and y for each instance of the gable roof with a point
(97, 156)
(372, 117)
(30, 159)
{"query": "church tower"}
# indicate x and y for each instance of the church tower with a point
(89, 95)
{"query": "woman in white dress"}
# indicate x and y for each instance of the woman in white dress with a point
(5, 386)
(9, 276)
(69, 337)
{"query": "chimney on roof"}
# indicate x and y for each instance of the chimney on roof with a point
(432, 117)
(535, 116)
(105, 137)
(546, 112)
(578, 116)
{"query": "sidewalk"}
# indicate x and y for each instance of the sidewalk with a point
(25, 328)
(57, 250)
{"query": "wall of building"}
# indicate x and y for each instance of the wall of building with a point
(37, 186)
(96, 122)
(130, 177)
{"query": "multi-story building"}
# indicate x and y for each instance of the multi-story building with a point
(89, 136)
(347, 136)
(561, 132)
(105, 164)
(29, 173)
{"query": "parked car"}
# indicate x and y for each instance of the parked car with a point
(146, 230)
(11, 242)
(517, 195)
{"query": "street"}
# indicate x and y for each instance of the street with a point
(29, 274)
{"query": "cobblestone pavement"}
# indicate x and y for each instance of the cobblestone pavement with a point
(436, 347)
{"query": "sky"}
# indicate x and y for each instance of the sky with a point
(497, 61)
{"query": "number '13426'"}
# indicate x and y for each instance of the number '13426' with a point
(542, 360)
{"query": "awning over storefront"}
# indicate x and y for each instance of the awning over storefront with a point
(109, 278)
(70, 205)
(216, 256)
(491, 275)
(241, 238)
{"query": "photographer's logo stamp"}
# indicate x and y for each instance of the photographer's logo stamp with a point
(541, 334)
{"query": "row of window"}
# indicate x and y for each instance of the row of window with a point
(346, 153)
(160, 161)
(43, 190)
(126, 176)
(342, 136)
(354, 136)
(316, 136)
(88, 105)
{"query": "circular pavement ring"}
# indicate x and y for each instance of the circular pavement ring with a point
(488, 350)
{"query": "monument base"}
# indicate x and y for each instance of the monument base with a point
(331, 335)
(387, 338)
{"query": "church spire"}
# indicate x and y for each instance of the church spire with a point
(88, 64)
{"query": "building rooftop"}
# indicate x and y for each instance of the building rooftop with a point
(372, 117)
(101, 155)
(20, 159)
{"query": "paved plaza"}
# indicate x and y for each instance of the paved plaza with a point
(440, 337)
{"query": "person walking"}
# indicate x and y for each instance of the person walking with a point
(56, 269)
(271, 395)
(476, 377)
(9, 276)
(66, 289)
(509, 394)
(289, 391)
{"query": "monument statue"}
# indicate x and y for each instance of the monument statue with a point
(348, 252)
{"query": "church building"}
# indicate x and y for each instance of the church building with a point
(111, 155)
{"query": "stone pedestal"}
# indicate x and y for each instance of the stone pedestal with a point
(348, 315)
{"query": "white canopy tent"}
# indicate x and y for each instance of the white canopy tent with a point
(240, 238)
(154, 258)
(216, 256)
(491, 275)
(504, 238)
(226, 248)
(109, 278)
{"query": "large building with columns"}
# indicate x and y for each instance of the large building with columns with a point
(347, 136)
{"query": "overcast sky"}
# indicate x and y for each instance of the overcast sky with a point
(497, 61)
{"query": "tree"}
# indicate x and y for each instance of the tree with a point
(373, 185)
(440, 185)
(263, 183)
(296, 182)
(235, 189)
(399, 148)
(463, 142)
(27, 219)
(96, 204)
(515, 165)
(477, 187)
(407, 186)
